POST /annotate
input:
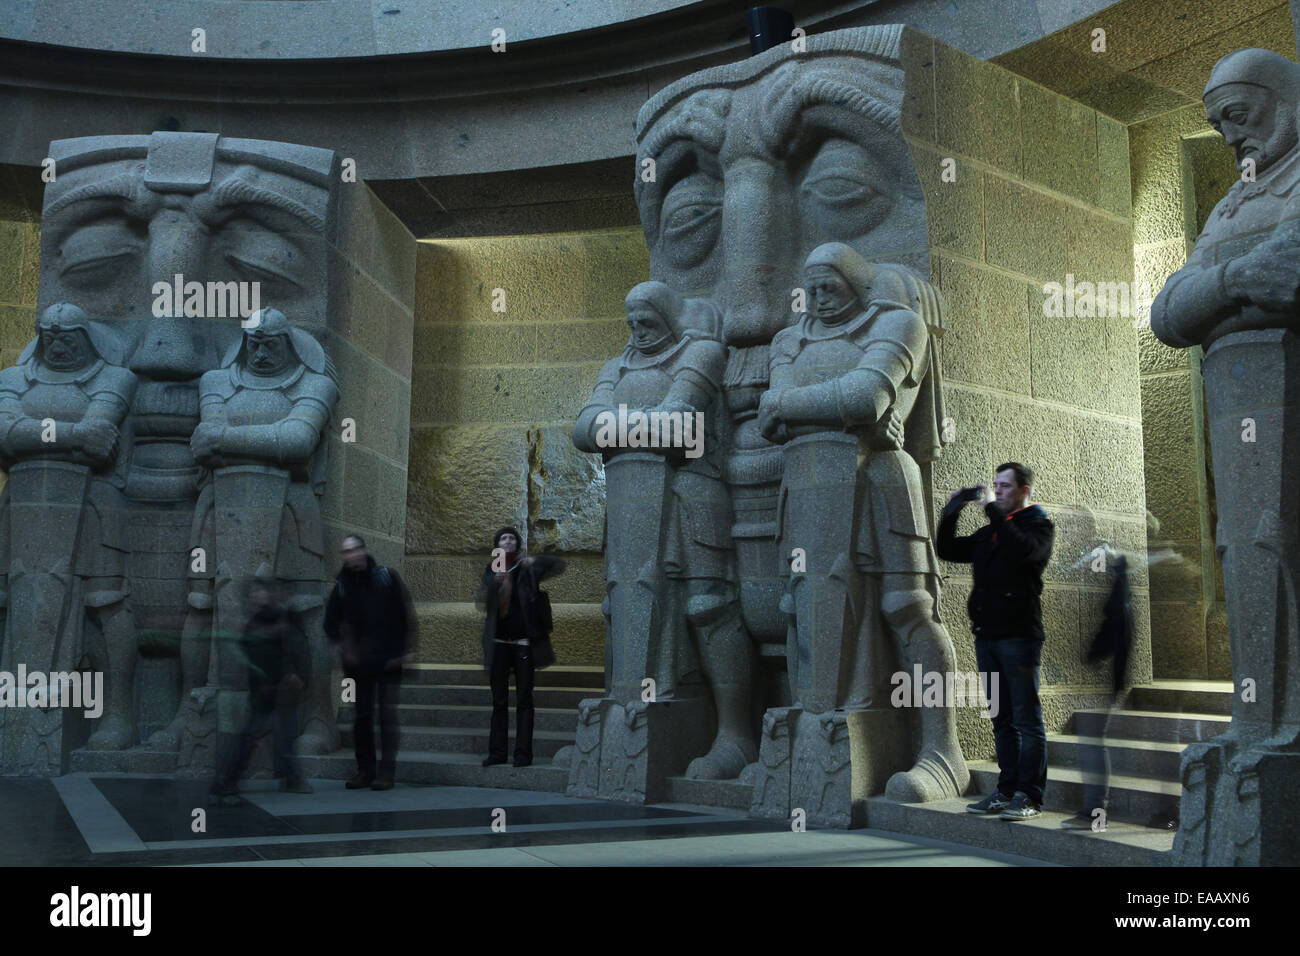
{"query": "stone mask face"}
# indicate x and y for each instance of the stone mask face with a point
(1254, 121)
(222, 213)
(65, 349)
(752, 172)
(267, 354)
(650, 333)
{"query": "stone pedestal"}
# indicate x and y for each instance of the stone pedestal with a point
(627, 752)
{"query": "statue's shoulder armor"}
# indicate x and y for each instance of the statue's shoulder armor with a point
(114, 379)
(706, 356)
(314, 385)
(13, 380)
(216, 383)
(787, 342)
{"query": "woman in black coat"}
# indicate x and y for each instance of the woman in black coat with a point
(515, 636)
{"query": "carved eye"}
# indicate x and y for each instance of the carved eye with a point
(97, 268)
(690, 215)
(839, 189)
(259, 272)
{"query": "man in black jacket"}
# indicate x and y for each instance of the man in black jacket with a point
(371, 615)
(1008, 557)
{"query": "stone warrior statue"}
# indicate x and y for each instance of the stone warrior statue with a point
(61, 408)
(672, 595)
(844, 378)
(1238, 296)
(258, 514)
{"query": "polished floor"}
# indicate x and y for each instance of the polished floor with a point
(140, 820)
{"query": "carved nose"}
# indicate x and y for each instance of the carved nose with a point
(760, 230)
(177, 244)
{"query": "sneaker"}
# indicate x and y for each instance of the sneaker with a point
(1020, 808)
(295, 785)
(493, 761)
(523, 761)
(994, 803)
(382, 782)
(360, 781)
(223, 796)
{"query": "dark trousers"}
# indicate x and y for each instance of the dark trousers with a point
(381, 688)
(1018, 731)
(504, 658)
(267, 705)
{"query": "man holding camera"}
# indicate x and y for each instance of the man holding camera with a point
(1008, 556)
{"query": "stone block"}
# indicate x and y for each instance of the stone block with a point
(1114, 186)
(1172, 442)
(969, 459)
(1099, 249)
(954, 211)
(464, 483)
(1108, 464)
(1178, 639)
(1060, 142)
(1063, 357)
(502, 395)
(589, 341)
(977, 109)
(1023, 231)
(569, 489)
(459, 344)
(373, 238)
(1042, 437)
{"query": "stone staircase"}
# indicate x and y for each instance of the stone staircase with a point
(445, 712)
(1144, 738)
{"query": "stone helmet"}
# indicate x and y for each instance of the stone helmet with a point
(684, 317)
(63, 316)
(1259, 68)
(273, 322)
(849, 264)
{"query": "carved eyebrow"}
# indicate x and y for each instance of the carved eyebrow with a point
(782, 112)
(236, 191)
(700, 119)
(125, 186)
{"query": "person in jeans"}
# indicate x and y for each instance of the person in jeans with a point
(371, 616)
(1008, 556)
(512, 632)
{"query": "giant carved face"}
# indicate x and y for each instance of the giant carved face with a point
(756, 163)
(126, 213)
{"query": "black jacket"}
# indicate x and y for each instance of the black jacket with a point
(377, 609)
(1008, 556)
(527, 582)
(276, 646)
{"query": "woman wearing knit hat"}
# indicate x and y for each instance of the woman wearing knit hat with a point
(516, 635)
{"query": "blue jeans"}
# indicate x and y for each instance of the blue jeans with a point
(1018, 731)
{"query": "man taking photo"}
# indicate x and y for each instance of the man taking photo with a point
(1007, 556)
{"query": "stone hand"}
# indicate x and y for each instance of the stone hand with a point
(889, 432)
(98, 438)
(769, 420)
(1269, 275)
(205, 443)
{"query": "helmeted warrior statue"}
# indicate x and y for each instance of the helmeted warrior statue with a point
(1238, 297)
(672, 602)
(258, 515)
(856, 400)
(61, 408)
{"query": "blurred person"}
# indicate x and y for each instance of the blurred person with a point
(371, 616)
(273, 644)
(515, 637)
(1007, 556)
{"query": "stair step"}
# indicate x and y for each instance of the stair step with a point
(711, 793)
(448, 769)
(1133, 799)
(1179, 696)
(1139, 758)
(465, 740)
(572, 675)
(1149, 724)
(1040, 838)
(442, 695)
(468, 715)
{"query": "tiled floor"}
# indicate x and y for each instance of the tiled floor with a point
(90, 820)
